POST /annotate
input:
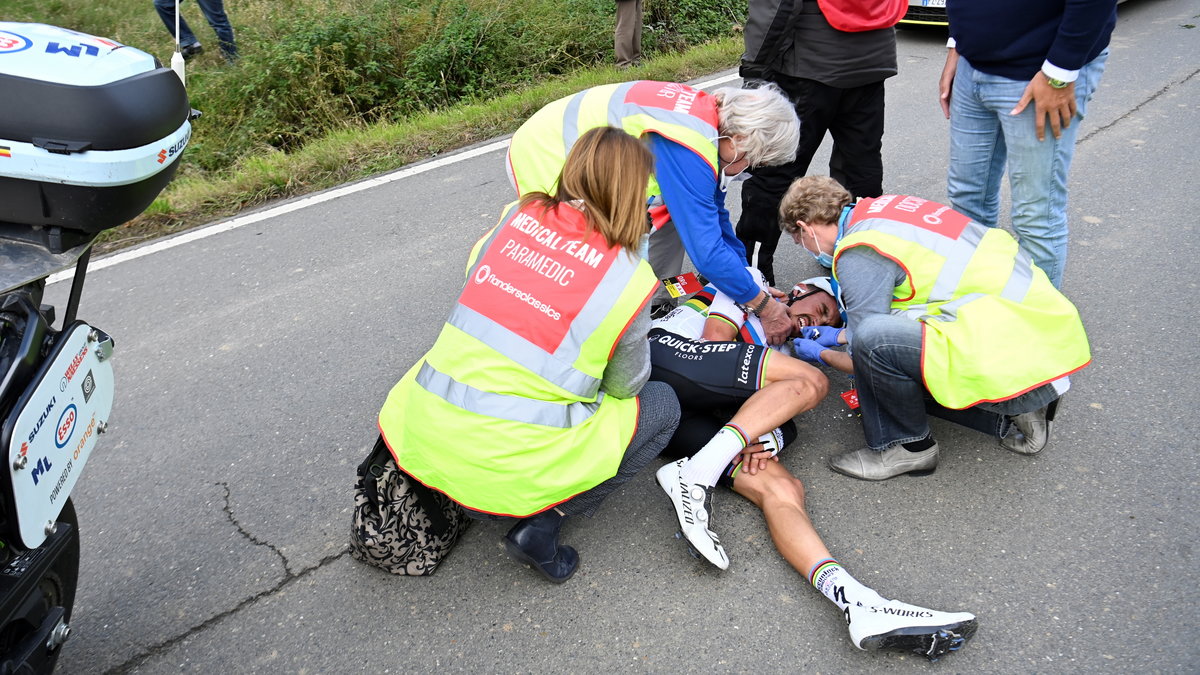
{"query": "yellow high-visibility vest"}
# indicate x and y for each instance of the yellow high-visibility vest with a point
(677, 112)
(994, 327)
(504, 414)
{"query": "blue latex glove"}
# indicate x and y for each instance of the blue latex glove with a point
(809, 350)
(826, 336)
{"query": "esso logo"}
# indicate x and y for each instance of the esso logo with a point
(11, 42)
(66, 426)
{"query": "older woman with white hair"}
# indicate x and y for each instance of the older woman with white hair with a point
(701, 142)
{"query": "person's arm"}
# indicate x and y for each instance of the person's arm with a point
(689, 189)
(1083, 23)
(814, 353)
(946, 82)
(867, 281)
(768, 28)
(629, 368)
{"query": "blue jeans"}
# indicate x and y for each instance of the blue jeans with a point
(886, 350)
(983, 136)
(214, 11)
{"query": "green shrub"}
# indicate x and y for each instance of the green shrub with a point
(312, 67)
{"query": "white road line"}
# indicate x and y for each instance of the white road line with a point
(311, 200)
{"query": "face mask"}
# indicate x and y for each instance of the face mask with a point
(724, 181)
(727, 180)
(822, 257)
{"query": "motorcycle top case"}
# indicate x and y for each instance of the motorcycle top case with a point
(90, 130)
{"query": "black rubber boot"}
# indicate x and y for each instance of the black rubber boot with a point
(534, 541)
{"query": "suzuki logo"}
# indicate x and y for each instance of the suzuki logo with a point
(162, 156)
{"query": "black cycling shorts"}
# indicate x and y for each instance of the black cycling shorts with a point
(707, 375)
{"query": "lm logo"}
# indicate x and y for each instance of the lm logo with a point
(42, 467)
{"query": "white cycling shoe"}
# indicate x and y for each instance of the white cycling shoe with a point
(693, 507)
(898, 625)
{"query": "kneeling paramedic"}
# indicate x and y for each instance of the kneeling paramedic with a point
(943, 315)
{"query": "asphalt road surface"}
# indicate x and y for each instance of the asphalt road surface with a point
(251, 364)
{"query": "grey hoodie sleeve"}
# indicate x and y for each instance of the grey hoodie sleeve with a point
(629, 368)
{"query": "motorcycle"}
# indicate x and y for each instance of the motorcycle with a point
(93, 132)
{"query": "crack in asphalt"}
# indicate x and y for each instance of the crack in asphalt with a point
(253, 539)
(1153, 97)
(289, 578)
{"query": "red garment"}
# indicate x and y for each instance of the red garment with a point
(855, 16)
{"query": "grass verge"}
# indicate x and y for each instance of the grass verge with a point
(354, 154)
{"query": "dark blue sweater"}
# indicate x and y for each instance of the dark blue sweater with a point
(1013, 38)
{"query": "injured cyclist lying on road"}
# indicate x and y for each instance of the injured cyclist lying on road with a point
(737, 399)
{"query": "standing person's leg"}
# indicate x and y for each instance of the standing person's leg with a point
(214, 12)
(874, 622)
(977, 150)
(166, 12)
(1038, 170)
(627, 34)
(815, 104)
(886, 350)
(637, 35)
(858, 140)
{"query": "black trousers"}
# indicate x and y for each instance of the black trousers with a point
(854, 118)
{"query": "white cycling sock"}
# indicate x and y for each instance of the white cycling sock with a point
(835, 583)
(706, 466)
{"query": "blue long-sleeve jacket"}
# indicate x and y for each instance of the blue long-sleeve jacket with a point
(697, 208)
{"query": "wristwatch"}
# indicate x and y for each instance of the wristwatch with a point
(1057, 84)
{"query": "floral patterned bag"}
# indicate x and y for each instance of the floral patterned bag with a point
(399, 524)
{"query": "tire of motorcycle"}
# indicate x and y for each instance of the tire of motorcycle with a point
(60, 582)
(55, 588)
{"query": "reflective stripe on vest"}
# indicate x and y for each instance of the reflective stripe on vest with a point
(539, 148)
(501, 406)
(958, 254)
(556, 366)
(622, 107)
(982, 301)
(503, 414)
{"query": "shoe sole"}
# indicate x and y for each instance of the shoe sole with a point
(695, 552)
(932, 642)
(521, 557)
(914, 473)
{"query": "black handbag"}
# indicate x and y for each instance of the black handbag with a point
(399, 524)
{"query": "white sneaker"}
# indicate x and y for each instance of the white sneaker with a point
(898, 625)
(693, 505)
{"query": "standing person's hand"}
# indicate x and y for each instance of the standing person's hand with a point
(776, 322)
(1057, 104)
(946, 82)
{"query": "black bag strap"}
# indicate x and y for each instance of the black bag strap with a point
(373, 467)
(429, 502)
